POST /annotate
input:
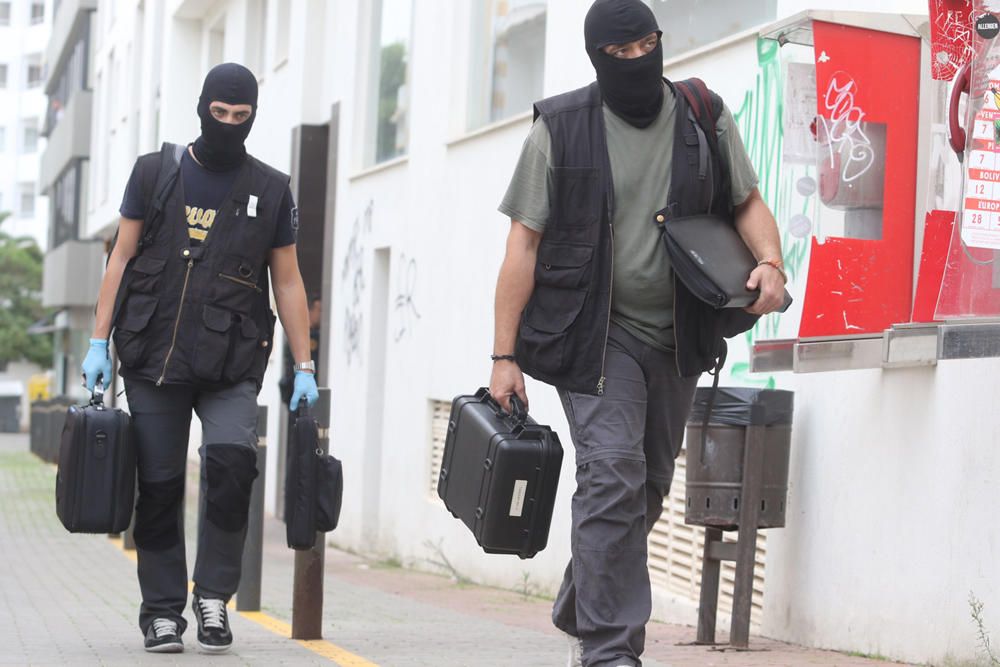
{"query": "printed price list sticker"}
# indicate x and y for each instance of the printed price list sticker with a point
(981, 215)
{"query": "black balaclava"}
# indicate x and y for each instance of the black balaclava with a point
(632, 88)
(220, 146)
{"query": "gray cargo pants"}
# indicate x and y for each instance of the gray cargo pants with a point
(161, 417)
(626, 442)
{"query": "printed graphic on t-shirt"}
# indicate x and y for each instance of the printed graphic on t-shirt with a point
(199, 221)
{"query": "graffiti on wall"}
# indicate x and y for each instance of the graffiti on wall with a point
(404, 306)
(788, 189)
(355, 283)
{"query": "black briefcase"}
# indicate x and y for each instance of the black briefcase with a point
(314, 484)
(499, 474)
(95, 483)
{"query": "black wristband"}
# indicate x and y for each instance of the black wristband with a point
(502, 357)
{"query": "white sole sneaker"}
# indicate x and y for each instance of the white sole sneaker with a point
(208, 648)
(166, 648)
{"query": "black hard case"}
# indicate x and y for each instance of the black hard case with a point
(95, 483)
(499, 475)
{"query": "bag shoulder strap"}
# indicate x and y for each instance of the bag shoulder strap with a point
(166, 177)
(706, 105)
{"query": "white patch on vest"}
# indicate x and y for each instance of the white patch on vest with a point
(252, 206)
(517, 501)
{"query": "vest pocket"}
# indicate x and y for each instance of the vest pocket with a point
(146, 274)
(563, 265)
(131, 342)
(212, 346)
(542, 338)
(224, 352)
(575, 197)
(235, 284)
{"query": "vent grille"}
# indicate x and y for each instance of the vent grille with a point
(440, 411)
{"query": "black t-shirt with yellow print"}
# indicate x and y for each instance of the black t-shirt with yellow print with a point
(204, 192)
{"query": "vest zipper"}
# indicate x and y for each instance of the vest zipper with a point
(177, 323)
(240, 281)
(673, 307)
(611, 288)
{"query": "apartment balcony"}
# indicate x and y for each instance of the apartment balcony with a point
(70, 20)
(72, 274)
(69, 139)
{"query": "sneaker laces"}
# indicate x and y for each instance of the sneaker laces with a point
(213, 613)
(163, 627)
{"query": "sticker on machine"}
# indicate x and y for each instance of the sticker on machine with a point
(517, 501)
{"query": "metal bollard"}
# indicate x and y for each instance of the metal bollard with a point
(307, 590)
(248, 593)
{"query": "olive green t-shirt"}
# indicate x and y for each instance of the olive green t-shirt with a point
(642, 291)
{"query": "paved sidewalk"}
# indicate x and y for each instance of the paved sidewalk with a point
(73, 600)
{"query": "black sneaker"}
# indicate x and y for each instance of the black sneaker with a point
(162, 637)
(213, 624)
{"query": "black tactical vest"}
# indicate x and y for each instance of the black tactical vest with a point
(563, 332)
(201, 314)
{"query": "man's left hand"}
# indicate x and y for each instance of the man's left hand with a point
(772, 290)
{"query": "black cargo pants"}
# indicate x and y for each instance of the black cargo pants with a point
(626, 441)
(162, 420)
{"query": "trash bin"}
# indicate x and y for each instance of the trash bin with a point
(39, 413)
(10, 406)
(715, 472)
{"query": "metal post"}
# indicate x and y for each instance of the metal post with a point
(709, 603)
(753, 470)
(248, 594)
(307, 592)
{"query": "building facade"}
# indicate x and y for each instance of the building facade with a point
(400, 122)
(24, 34)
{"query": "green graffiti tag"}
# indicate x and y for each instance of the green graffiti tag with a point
(759, 119)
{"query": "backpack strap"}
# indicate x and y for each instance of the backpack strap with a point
(703, 111)
(166, 177)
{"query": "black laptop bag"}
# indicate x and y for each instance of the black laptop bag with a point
(95, 483)
(499, 474)
(314, 484)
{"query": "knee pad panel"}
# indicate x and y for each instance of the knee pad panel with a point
(230, 471)
(157, 514)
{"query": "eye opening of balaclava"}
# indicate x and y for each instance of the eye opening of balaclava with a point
(221, 145)
(632, 87)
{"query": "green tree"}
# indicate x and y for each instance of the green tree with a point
(20, 301)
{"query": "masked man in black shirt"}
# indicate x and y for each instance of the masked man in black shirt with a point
(204, 229)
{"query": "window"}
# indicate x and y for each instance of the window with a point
(689, 24)
(33, 77)
(63, 208)
(27, 199)
(388, 97)
(37, 13)
(256, 45)
(4, 13)
(507, 68)
(282, 29)
(3, 75)
(29, 137)
(72, 78)
(3, 139)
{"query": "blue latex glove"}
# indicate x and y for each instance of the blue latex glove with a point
(305, 387)
(97, 364)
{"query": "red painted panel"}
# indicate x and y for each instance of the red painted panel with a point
(937, 237)
(855, 285)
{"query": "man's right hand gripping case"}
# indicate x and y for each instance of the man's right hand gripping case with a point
(499, 474)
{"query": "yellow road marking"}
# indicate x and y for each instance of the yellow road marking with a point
(320, 647)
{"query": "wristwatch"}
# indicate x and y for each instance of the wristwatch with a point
(308, 366)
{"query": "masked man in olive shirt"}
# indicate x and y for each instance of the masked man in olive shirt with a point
(586, 301)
